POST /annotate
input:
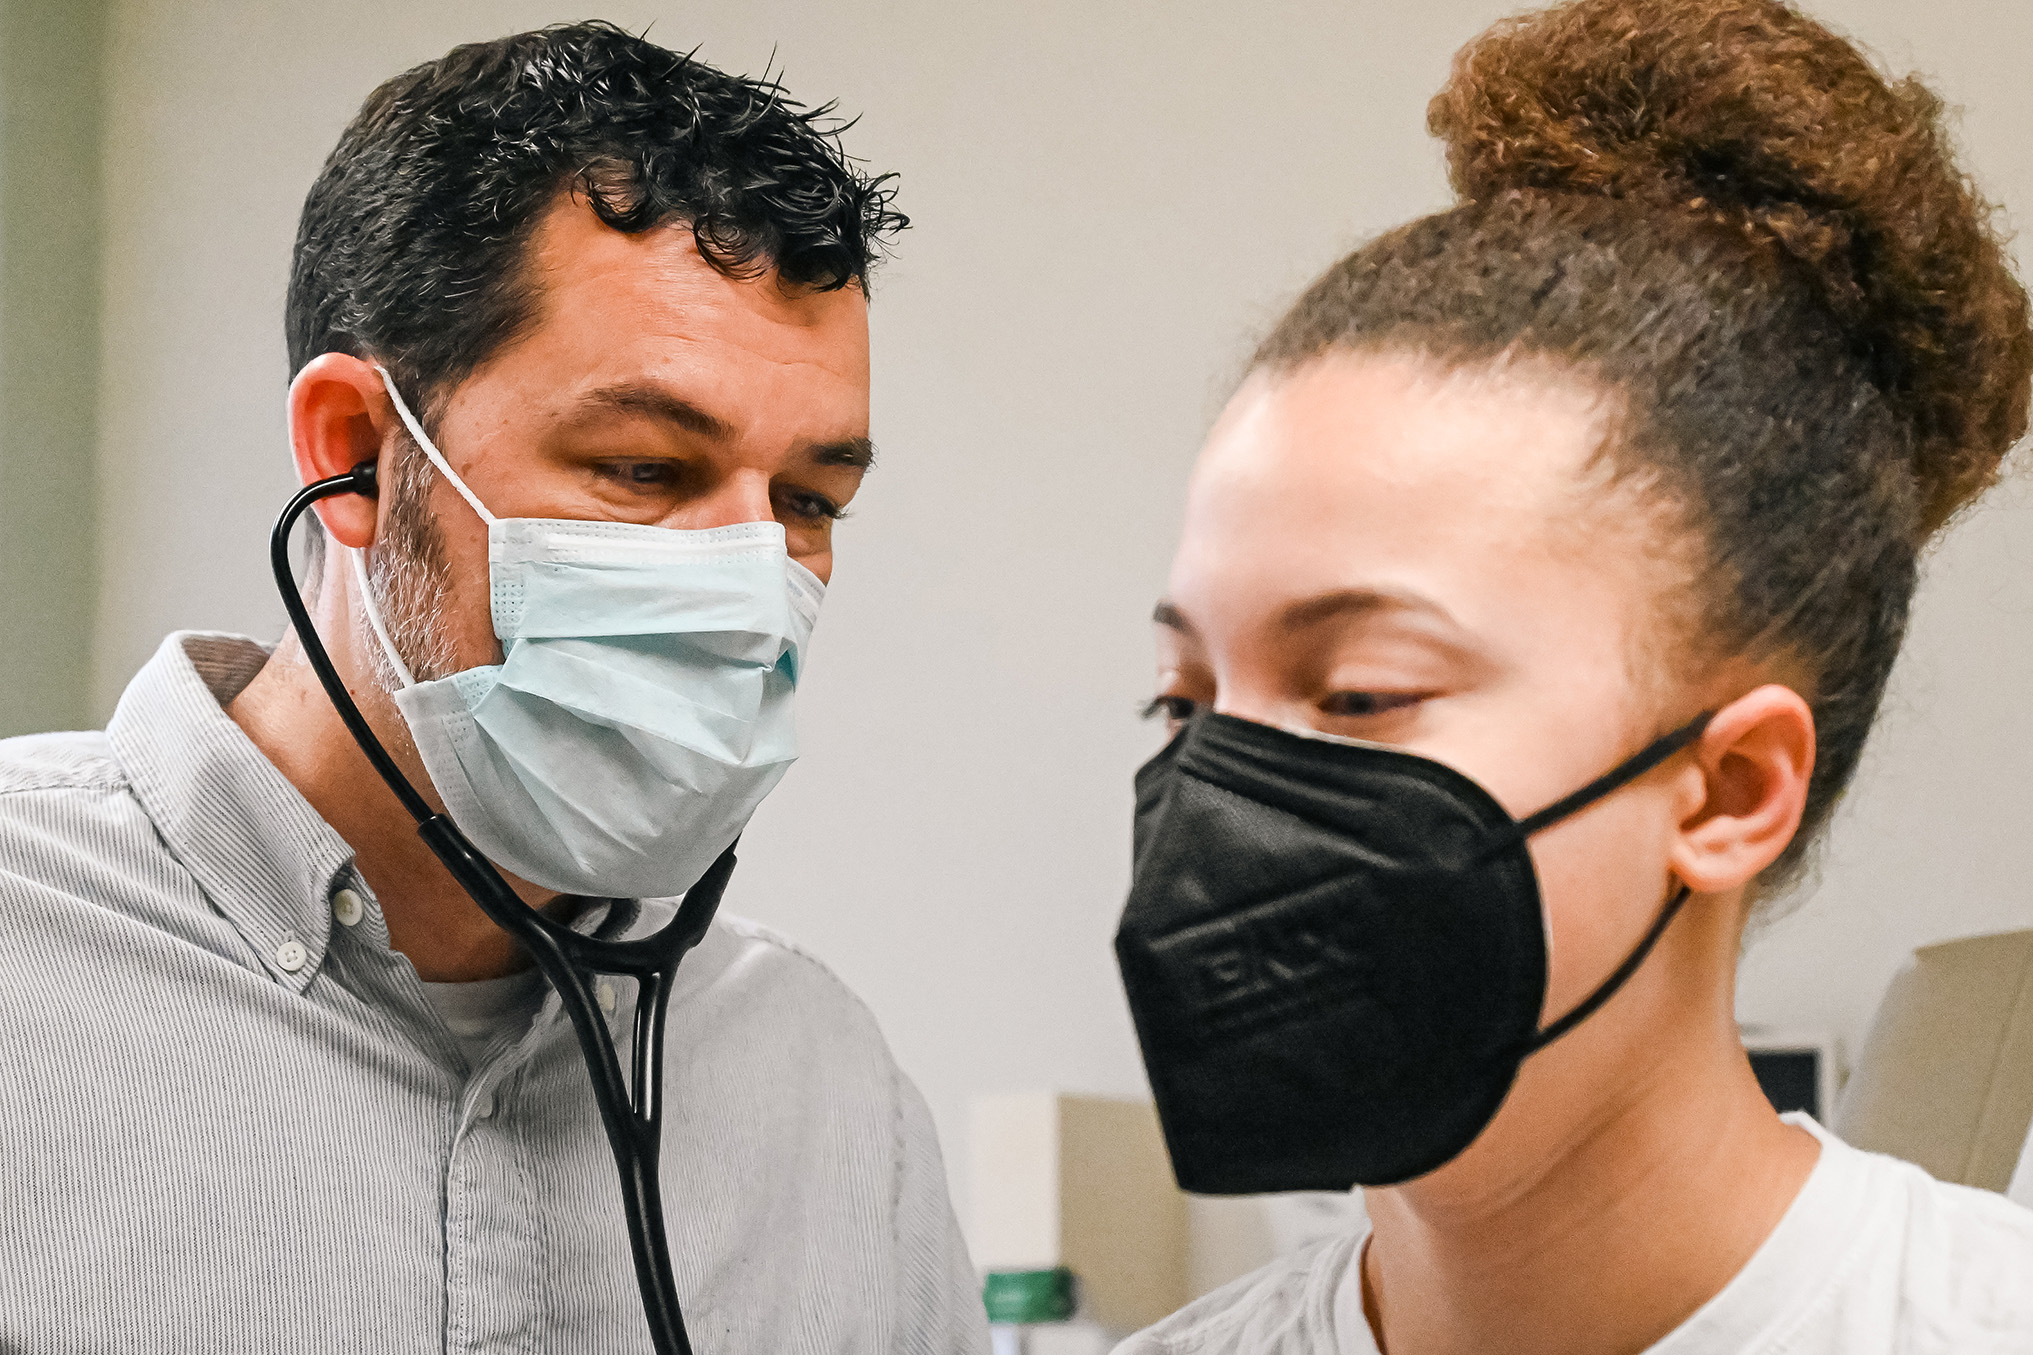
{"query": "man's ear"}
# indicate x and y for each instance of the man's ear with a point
(1756, 757)
(339, 416)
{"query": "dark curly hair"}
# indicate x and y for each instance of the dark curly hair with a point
(412, 239)
(1764, 251)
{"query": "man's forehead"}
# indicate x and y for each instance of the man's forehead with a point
(574, 252)
(631, 326)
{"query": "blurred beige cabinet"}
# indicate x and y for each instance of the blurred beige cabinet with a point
(1945, 1079)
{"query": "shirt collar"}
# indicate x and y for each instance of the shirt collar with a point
(263, 856)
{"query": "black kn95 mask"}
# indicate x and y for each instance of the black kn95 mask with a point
(1335, 954)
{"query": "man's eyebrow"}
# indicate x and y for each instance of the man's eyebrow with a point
(1168, 615)
(858, 453)
(1355, 602)
(657, 403)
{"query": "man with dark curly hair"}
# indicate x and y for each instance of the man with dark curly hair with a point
(595, 314)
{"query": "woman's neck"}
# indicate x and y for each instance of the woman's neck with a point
(1596, 1234)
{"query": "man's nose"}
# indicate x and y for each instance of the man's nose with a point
(740, 496)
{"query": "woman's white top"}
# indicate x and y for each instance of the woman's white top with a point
(2021, 1188)
(1874, 1257)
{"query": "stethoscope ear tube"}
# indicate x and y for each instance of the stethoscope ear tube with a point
(631, 1109)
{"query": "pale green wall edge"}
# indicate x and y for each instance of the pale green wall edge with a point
(51, 96)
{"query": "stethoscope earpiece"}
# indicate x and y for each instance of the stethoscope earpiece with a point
(366, 479)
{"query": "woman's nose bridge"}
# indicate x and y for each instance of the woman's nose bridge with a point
(1256, 691)
(1247, 685)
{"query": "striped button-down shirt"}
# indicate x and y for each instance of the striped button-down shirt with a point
(230, 1121)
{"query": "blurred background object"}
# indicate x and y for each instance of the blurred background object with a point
(52, 101)
(1798, 1069)
(1079, 1187)
(1079, 1184)
(1112, 199)
(1946, 1077)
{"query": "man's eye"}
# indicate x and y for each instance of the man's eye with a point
(1176, 709)
(815, 508)
(642, 474)
(1368, 703)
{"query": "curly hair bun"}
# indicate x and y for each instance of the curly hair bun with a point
(1753, 116)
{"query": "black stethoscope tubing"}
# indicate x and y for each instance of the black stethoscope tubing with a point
(630, 1109)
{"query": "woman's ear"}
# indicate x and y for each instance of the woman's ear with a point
(339, 415)
(1756, 758)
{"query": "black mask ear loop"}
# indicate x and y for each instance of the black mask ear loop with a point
(1615, 779)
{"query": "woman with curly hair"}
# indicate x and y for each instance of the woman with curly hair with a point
(1612, 476)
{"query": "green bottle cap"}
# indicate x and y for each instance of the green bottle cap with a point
(1024, 1296)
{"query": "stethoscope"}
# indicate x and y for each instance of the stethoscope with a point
(631, 1110)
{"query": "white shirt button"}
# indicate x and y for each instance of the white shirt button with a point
(483, 1106)
(347, 907)
(290, 956)
(604, 992)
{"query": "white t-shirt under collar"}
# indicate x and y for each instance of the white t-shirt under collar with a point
(483, 1010)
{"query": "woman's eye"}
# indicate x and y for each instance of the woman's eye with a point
(1368, 703)
(1176, 709)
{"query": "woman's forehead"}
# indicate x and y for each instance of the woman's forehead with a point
(1361, 419)
(1462, 485)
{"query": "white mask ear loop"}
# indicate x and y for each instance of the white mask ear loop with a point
(416, 430)
(373, 610)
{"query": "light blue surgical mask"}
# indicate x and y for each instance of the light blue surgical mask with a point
(642, 708)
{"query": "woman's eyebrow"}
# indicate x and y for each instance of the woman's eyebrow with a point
(1321, 607)
(1344, 602)
(1168, 615)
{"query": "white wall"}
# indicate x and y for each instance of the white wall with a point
(1111, 196)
